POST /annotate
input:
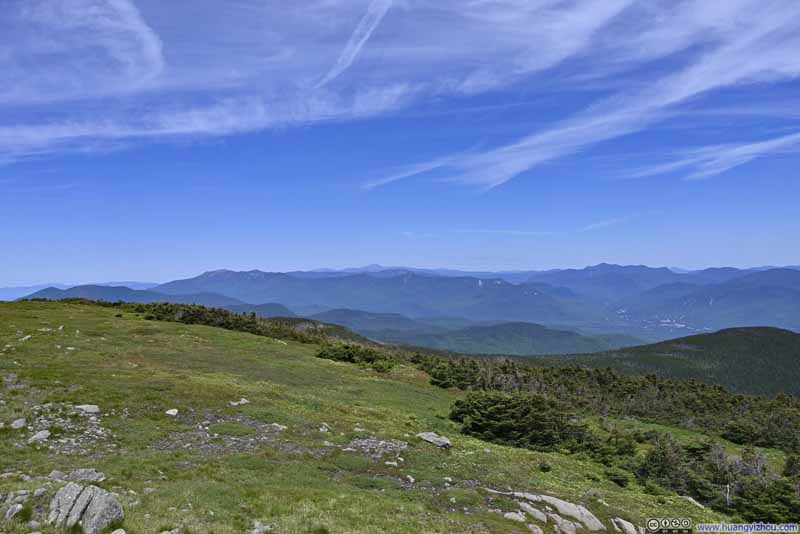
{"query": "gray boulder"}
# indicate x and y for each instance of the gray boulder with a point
(42, 435)
(18, 424)
(91, 475)
(94, 508)
(624, 526)
(103, 511)
(515, 516)
(575, 511)
(436, 439)
(533, 512)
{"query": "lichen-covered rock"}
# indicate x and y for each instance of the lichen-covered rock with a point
(436, 439)
(94, 508)
(575, 511)
(515, 516)
(563, 526)
(103, 511)
(91, 475)
(533, 512)
(62, 503)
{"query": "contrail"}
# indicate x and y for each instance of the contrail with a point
(371, 19)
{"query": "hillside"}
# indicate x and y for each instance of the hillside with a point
(317, 446)
(125, 294)
(747, 360)
(511, 338)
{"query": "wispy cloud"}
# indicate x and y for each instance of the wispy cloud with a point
(614, 221)
(743, 44)
(369, 22)
(177, 71)
(713, 160)
(65, 49)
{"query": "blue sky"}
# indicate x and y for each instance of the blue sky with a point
(150, 140)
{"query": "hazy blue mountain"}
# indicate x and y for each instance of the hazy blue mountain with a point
(510, 338)
(14, 293)
(411, 294)
(125, 294)
(267, 310)
(607, 282)
(747, 360)
(636, 300)
(514, 277)
(131, 285)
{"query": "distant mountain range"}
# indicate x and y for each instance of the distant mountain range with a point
(14, 293)
(125, 294)
(746, 360)
(645, 302)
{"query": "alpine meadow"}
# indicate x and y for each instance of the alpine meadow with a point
(399, 266)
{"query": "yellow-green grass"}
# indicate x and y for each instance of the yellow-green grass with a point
(136, 369)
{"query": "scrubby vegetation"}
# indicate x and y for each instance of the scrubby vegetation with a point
(743, 419)
(352, 353)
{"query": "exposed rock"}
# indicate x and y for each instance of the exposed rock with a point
(377, 448)
(88, 408)
(57, 475)
(103, 511)
(519, 517)
(624, 526)
(91, 475)
(42, 435)
(260, 528)
(38, 492)
(575, 511)
(13, 511)
(563, 526)
(173, 412)
(18, 424)
(533, 512)
(62, 503)
(240, 402)
(436, 439)
(119, 531)
(533, 528)
(80, 432)
(173, 531)
(94, 508)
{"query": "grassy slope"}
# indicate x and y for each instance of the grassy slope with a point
(147, 367)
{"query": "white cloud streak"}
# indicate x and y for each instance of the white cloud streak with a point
(369, 22)
(713, 160)
(749, 45)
